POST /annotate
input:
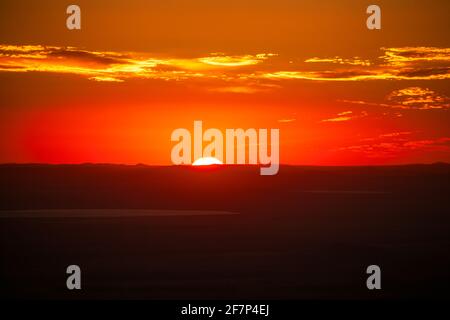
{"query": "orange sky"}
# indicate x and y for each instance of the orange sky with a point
(114, 91)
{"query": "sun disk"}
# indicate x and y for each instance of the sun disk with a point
(206, 161)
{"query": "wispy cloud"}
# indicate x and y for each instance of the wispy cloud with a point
(337, 75)
(409, 55)
(287, 120)
(393, 143)
(398, 136)
(356, 61)
(395, 134)
(119, 66)
(377, 73)
(346, 116)
(410, 98)
(240, 86)
(408, 63)
(418, 98)
(222, 60)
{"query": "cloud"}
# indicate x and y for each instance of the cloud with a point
(344, 113)
(390, 145)
(394, 134)
(441, 144)
(409, 55)
(410, 98)
(356, 61)
(407, 63)
(378, 73)
(337, 119)
(240, 86)
(418, 98)
(346, 116)
(120, 66)
(287, 120)
(398, 136)
(105, 79)
(345, 75)
(237, 89)
(222, 60)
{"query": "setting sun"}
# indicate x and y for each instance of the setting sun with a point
(207, 161)
(215, 158)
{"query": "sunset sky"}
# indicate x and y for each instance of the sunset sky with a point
(114, 91)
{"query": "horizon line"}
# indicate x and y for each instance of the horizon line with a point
(222, 165)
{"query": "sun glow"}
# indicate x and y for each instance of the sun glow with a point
(207, 161)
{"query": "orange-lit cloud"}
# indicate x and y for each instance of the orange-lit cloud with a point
(395, 134)
(346, 116)
(244, 87)
(222, 60)
(377, 73)
(356, 61)
(407, 63)
(390, 145)
(399, 136)
(409, 55)
(420, 63)
(287, 120)
(119, 66)
(410, 98)
(418, 98)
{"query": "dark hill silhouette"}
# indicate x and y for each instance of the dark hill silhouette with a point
(308, 232)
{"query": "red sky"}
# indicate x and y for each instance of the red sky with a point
(114, 91)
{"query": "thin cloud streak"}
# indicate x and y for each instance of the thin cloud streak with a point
(382, 148)
(356, 61)
(410, 98)
(346, 116)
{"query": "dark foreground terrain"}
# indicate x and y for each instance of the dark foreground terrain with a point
(173, 232)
